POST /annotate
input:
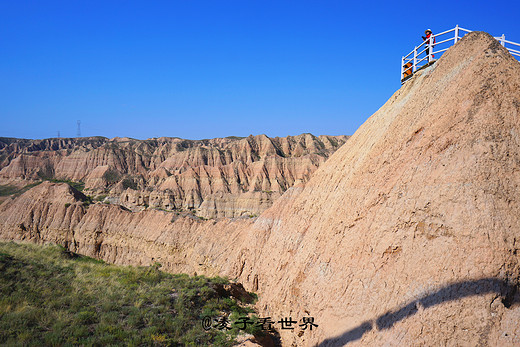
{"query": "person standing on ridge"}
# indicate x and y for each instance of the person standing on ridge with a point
(427, 38)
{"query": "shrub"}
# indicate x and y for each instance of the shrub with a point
(127, 182)
(111, 176)
(100, 197)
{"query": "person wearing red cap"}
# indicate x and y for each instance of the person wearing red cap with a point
(427, 38)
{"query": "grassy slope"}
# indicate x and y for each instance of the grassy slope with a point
(49, 296)
(7, 190)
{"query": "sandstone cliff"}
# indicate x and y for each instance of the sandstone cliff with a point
(225, 177)
(408, 236)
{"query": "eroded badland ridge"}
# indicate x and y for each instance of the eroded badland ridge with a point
(408, 235)
(223, 177)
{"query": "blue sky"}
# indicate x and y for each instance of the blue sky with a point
(204, 69)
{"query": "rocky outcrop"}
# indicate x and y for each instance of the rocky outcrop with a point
(226, 177)
(55, 212)
(407, 236)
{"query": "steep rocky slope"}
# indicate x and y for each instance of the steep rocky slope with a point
(408, 236)
(225, 177)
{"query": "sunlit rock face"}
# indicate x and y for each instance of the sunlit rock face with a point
(225, 177)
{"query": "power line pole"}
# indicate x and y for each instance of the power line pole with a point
(78, 133)
(59, 134)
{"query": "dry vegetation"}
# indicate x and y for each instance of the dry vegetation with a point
(49, 296)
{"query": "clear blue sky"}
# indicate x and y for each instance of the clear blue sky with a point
(204, 69)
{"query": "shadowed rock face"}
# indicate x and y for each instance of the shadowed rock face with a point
(407, 236)
(225, 177)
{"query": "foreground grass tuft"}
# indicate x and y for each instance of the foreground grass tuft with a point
(49, 296)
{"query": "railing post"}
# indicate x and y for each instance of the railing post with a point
(502, 40)
(430, 47)
(456, 33)
(414, 59)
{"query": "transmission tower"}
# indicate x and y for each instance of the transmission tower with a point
(78, 133)
(59, 134)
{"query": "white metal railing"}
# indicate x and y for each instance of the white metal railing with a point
(430, 50)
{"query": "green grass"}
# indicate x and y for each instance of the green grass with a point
(49, 296)
(76, 185)
(100, 197)
(6, 190)
(88, 201)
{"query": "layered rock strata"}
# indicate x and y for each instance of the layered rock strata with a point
(227, 177)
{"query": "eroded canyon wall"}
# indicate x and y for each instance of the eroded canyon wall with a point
(224, 177)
